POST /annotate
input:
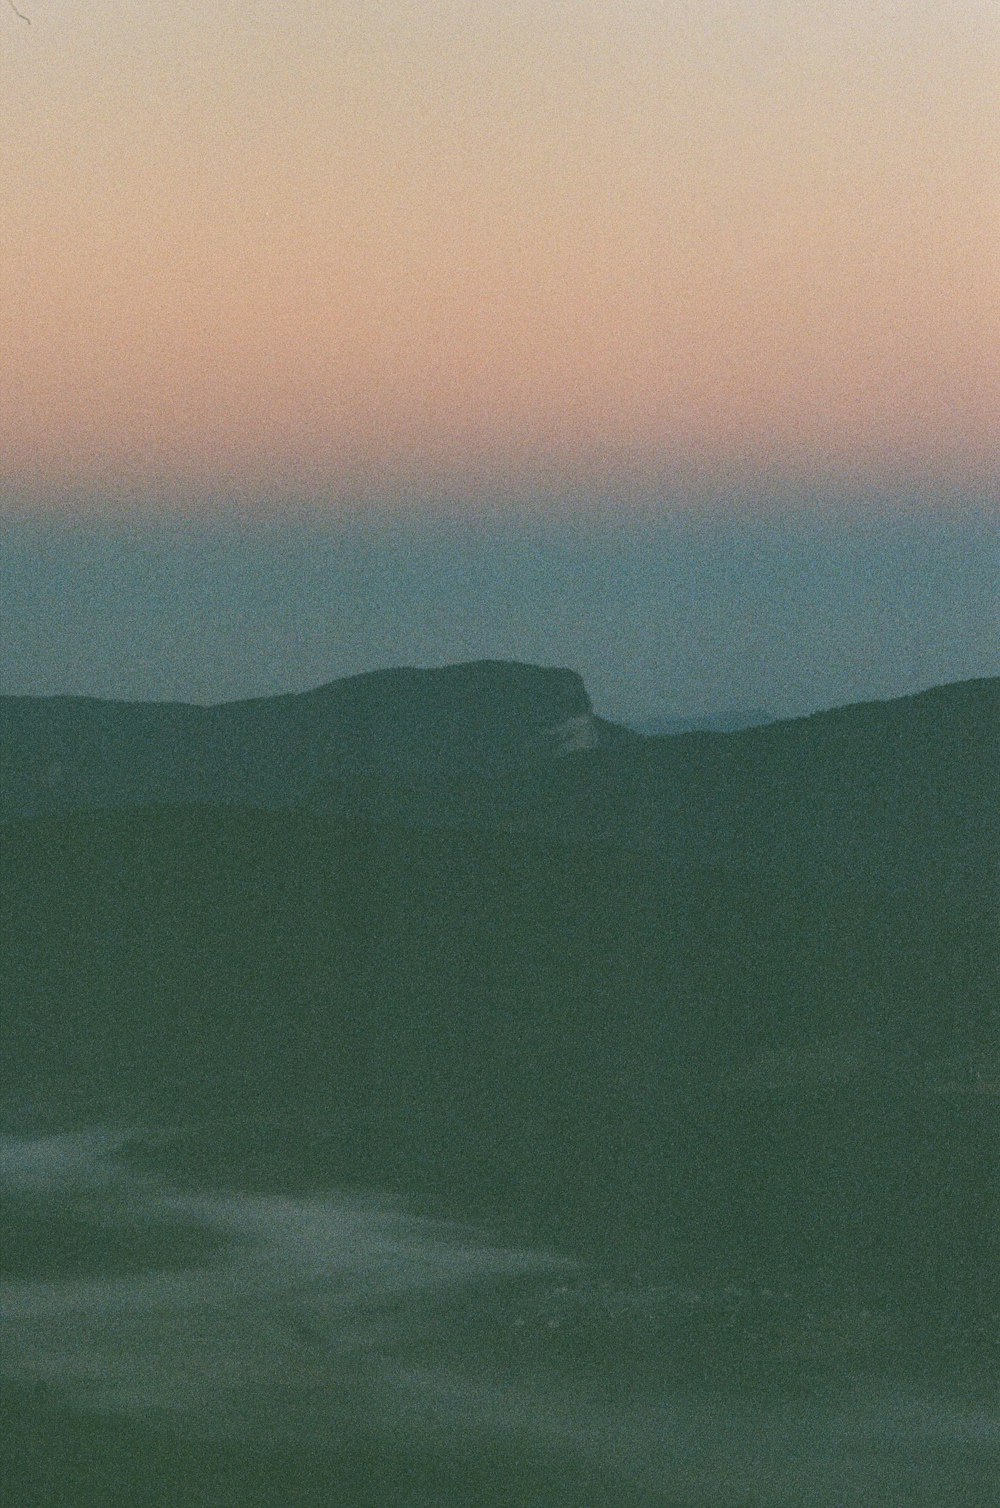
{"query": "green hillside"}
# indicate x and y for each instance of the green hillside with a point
(764, 1067)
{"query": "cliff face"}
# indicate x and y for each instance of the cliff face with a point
(421, 743)
(493, 744)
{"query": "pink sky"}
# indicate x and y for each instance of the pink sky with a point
(338, 246)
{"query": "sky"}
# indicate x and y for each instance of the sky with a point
(685, 615)
(503, 307)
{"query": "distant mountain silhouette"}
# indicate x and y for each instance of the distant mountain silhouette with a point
(496, 743)
(663, 725)
(729, 999)
(428, 744)
(916, 776)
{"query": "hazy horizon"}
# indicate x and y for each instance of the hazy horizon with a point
(656, 342)
(686, 615)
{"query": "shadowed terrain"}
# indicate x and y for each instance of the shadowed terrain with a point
(695, 1038)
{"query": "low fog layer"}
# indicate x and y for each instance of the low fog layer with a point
(273, 1319)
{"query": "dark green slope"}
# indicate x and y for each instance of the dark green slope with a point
(783, 1068)
(479, 746)
(725, 999)
(432, 744)
(917, 776)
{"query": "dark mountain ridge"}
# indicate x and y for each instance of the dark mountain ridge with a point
(668, 725)
(418, 736)
(480, 745)
(917, 774)
(723, 999)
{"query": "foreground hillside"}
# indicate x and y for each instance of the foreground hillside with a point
(768, 1067)
(419, 1092)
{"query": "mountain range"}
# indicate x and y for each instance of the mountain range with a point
(492, 743)
(733, 720)
(726, 999)
(432, 743)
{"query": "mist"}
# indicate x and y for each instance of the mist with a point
(688, 614)
(313, 1318)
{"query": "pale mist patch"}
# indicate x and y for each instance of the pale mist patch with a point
(321, 1317)
(301, 1294)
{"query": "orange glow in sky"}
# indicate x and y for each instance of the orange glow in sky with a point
(328, 245)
